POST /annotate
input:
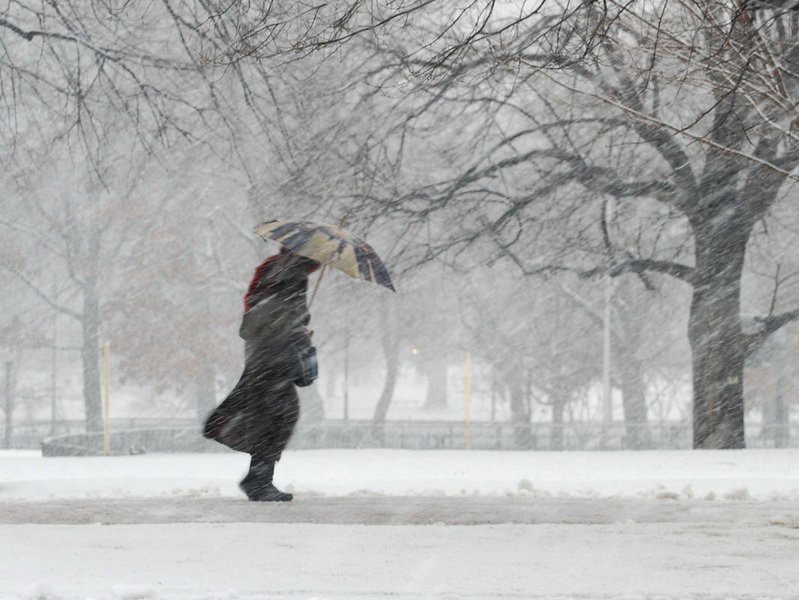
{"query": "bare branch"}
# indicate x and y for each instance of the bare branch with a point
(767, 326)
(640, 265)
(43, 296)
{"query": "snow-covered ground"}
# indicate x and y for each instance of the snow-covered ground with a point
(757, 474)
(275, 561)
(403, 524)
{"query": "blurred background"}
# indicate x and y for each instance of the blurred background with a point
(531, 229)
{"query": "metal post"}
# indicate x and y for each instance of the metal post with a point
(53, 369)
(347, 373)
(54, 363)
(468, 401)
(607, 390)
(493, 393)
(779, 426)
(106, 398)
(9, 408)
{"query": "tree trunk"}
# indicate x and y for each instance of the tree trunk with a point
(556, 435)
(777, 423)
(522, 435)
(781, 410)
(633, 388)
(436, 372)
(90, 356)
(389, 385)
(391, 350)
(714, 330)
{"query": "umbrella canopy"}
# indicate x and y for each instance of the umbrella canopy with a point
(331, 246)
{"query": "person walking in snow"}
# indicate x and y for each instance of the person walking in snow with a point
(259, 415)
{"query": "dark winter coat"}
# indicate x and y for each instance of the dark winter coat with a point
(259, 415)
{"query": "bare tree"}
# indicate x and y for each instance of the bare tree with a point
(77, 228)
(696, 99)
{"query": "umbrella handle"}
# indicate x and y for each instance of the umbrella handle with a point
(316, 287)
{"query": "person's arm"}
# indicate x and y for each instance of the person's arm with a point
(265, 314)
(272, 317)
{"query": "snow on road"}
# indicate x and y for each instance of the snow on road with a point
(398, 524)
(276, 560)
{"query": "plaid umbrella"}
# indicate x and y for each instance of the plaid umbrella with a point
(331, 246)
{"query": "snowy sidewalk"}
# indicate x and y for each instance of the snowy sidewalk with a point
(383, 524)
(719, 475)
(399, 510)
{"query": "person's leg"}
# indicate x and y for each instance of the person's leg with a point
(272, 416)
(257, 484)
(288, 418)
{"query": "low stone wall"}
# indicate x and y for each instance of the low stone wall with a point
(133, 441)
(411, 435)
(330, 434)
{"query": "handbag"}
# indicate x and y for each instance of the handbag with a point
(308, 367)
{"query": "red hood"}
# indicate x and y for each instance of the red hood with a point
(258, 287)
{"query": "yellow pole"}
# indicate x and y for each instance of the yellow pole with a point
(468, 400)
(106, 398)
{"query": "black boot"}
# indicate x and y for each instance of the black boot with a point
(258, 486)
